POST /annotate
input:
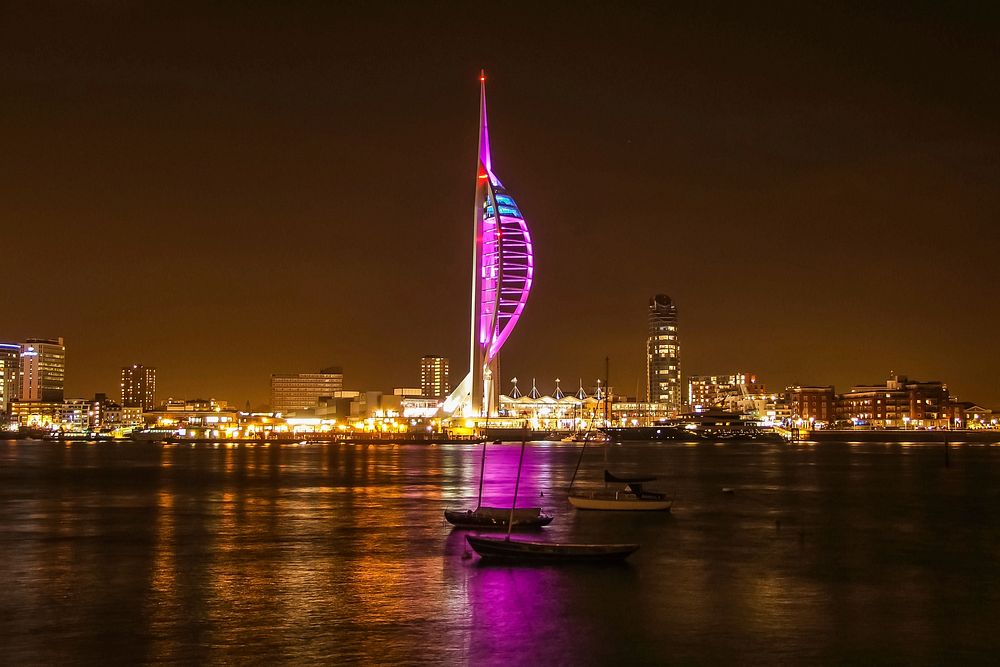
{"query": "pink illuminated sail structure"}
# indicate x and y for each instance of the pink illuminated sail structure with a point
(503, 266)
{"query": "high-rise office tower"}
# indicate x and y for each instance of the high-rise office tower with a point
(663, 354)
(10, 366)
(296, 391)
(434, 382)
(43, 369)
(139, 387)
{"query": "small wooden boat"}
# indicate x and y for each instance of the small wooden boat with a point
(506, 549)
(631, 498)
(497, 517)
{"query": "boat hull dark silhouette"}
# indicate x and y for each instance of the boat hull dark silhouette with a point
(500, 549)
(486, 518)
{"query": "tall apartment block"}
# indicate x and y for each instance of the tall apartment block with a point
(663, 354)
(139, 387)
(434, 381)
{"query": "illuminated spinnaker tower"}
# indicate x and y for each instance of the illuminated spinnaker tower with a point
(503, 264)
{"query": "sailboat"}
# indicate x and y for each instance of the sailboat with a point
(496, 517)
(506, 549)
(629, 494)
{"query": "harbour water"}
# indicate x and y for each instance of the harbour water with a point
(825, 552)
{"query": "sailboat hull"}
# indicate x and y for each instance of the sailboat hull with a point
(547, 552)
(486, 518)
(611, 502)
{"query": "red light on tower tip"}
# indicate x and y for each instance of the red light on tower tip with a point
(482, 76)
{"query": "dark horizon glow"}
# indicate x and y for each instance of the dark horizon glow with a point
(227, 192)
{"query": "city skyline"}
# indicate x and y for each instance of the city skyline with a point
(798, 199)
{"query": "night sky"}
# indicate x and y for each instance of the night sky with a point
(225, 192)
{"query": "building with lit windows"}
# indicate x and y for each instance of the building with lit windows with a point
(663, 354)
(298, 391)
(899, 403)
(43, 370)
(10, 366)
(434, 381)
(36, 414)
(138, 387)
(710, 391)
(813, 404)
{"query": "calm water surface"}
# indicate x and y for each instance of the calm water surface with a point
(870, 553)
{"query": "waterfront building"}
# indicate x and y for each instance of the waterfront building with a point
(631, 411)
(35, 414)
(114, 415)
(782, 411)
(107, 414)
(196, 418)
(812, 404)
(663, 354)
(138, 386)
(502, 272)
(10, 365)
(193, 405)
(710, 391)
(760, 406)
(434, 380)
(899, 403)
(43, 370)
(76, 414)
(366, 404)
(298, 391)
(976, 416)
(419, 407)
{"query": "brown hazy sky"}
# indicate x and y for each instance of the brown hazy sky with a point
(226, 191)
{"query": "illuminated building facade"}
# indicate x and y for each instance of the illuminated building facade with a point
(434, 381)
(10, 366)
(36, 414)
(709, 391)
(43, 370)
(663, 354)
(813, 404)
(298, 391)
(138, 387)
(899, 403)
(503, 268)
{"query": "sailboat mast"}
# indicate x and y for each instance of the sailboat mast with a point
(517, 480)
(482, 475)
(607, 388)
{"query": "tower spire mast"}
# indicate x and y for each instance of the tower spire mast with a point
(484, 134)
